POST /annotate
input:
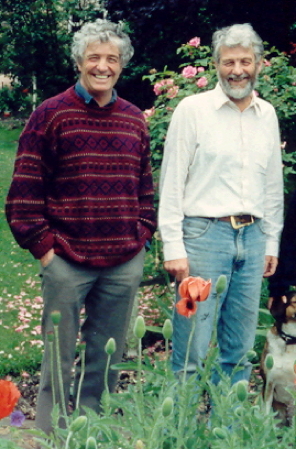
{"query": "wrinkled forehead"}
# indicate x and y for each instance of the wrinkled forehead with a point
(236, 52)
(98, 47)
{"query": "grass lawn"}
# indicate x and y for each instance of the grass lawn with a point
(19, 282)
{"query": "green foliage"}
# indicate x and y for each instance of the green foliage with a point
(35, 37)
(15, 100)
(196, 73)
(172, 412)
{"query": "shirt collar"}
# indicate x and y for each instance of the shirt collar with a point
(88, 98)
(221, 99)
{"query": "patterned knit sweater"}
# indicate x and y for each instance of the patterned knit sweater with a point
(82, 182)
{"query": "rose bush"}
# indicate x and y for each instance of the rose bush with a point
(276, 84)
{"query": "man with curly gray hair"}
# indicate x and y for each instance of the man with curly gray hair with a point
(221, 202)
(81, 201)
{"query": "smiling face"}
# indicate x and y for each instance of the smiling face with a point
(100, 70)
(237, 73)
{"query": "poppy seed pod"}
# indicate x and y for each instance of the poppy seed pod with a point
(56, 317)
(110, 346)
(167, 330)
(268, 362)
(221, 284)
(78, 423)
(139, 327)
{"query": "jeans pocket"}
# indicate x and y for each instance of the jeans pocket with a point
(261, 226)
(195, 227)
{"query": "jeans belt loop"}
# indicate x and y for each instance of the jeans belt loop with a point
(237, 225)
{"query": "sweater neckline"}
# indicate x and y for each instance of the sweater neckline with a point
(93, 106)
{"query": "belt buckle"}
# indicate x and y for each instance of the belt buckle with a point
(235, 224)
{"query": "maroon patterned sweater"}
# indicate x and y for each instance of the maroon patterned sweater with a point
(82, 182)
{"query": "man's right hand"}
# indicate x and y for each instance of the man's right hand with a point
(47, 258)
(179, 268)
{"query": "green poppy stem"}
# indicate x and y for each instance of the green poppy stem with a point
(59, 373)
(82, 373)
(193, 324)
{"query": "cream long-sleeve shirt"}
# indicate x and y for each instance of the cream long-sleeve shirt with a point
(219, 161)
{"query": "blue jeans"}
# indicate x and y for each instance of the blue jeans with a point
(108, 296)
(214, 248)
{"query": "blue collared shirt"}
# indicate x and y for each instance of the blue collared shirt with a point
(83, 93)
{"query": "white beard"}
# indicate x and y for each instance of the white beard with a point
(237, 93)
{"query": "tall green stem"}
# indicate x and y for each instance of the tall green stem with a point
(60, 374)
(193, 324)
(82, 373)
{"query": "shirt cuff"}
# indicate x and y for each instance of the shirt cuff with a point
(174, 250)
(272, 248)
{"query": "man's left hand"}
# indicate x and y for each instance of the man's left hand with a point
(270, 266)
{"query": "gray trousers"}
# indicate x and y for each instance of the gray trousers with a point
(107, 295)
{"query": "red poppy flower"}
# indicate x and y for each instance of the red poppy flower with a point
(9, 395)
(186, 307)
(192, 290)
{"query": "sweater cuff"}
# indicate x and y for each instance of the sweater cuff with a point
(41, 247)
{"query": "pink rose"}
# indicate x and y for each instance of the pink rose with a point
(159, 87)
(149, 112)
(189, 71)
(202, 82)
(194, 42)
(267, 63)
(172, 92)
(200, 69)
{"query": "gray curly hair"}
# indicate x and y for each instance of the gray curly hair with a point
(239, 34)
(101, 31)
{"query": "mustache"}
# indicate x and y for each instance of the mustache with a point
(237, 77)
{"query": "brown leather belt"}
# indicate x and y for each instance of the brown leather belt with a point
(239, 221)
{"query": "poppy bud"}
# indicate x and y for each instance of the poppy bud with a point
(220, 433)
(91, 443)
(139, 327)
(110, 346)
(167, 330)
(251, 355)
(241, 391)
(167, 407)
(221, 284)
(78, 423)
(56, 317)
(139, 444)
(268, 362)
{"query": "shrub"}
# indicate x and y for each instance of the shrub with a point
(15, 100)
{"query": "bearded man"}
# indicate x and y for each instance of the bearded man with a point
(221, 202)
